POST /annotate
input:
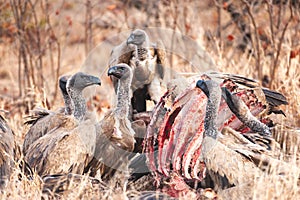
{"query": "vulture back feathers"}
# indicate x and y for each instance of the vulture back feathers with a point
(43, 121)
(69, 146)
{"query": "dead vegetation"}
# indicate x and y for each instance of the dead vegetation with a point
(41, 40)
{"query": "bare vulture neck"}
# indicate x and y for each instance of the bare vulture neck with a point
(68, 104)
(123, 97)
(79, 103)
(212, 108)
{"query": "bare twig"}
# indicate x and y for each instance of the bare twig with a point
(257, 42)
(88, 27)
(275, 66)
(52, 39)
(19, 11)
(270, 12)
(279, 15)
(174, 14)
(39, 66)
(218, 4)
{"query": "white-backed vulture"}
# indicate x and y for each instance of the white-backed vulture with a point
(70, 146)
(115, 136)
(240, 162)
(147, 60)
(43, 121)
(7, 144)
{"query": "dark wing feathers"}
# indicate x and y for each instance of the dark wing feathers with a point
(37, 115)
(274, 98)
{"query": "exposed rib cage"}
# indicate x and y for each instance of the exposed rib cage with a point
(178, 137)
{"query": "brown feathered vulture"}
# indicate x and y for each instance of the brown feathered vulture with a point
(43, 121)
(7, 145)
(239, 161)
(115, 136)
(70, 146)
(147, 61)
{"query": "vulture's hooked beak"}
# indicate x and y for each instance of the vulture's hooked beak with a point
(202, 85)
(130, 40)
(95, 80)
(114, 71)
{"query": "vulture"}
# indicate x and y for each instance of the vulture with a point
(240, 162)
(115, 135)
(147, 61)
(69, 147)
(7, 144)
(242, 112)
(43, 121)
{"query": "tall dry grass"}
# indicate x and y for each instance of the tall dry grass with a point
(40, 40)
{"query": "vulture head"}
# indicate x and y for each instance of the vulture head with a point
(137, 37)
(80, 80)
(75, 86)
(203, 86)
(120, 71)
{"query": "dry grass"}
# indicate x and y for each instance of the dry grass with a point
(66, 38)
